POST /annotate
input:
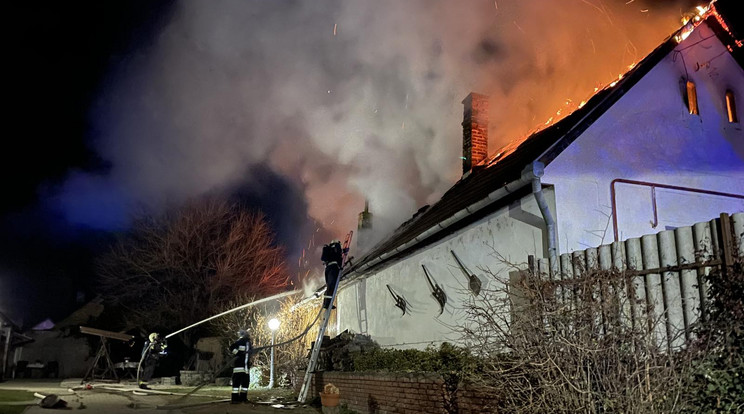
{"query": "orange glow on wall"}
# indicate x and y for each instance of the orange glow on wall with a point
(692, 103)
(731, 107)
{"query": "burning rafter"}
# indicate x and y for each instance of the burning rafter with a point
(690, 22)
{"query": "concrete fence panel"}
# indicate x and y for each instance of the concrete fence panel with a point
(664, 275)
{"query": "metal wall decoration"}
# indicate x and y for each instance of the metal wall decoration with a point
(436, 290)
(400, 301)
(473, 282)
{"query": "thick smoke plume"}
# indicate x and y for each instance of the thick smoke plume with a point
(346, 99)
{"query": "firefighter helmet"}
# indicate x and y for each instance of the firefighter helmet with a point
(154, 336)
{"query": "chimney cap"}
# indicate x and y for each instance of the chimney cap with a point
(474, 96)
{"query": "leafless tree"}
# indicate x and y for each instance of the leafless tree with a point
(177, 268)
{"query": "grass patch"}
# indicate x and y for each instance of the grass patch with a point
(14, 395)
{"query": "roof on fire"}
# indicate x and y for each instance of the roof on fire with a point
(543, 146)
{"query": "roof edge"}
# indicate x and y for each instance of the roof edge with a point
(529, 173)
(632, 78)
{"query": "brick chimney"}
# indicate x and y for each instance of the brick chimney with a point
(364, 229)
(474, 131)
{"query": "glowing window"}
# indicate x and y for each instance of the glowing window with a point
(731, 107)
(692, 103)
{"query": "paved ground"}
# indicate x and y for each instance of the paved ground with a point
(113, 398)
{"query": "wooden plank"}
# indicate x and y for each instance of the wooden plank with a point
(738, 223)
(566, 273)
(621, 288)
(592, 259)
(654, 292)
(727, 243)
(677, 268)
(618, 256)
(105, 334)
(671, 290)
(636, 286)
(688, 278)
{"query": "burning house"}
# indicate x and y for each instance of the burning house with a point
(660, 147)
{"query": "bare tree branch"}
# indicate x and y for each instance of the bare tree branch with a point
(187, 264)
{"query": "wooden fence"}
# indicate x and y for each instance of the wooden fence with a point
(664, 272)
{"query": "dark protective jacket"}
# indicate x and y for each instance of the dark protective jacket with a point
(242, 351)
(154, 350)
(332, 257)
(332, 253)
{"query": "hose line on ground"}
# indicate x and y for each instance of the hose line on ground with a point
(255, 350)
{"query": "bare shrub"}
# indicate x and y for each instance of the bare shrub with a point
(576, 345)
(290, 352)
(714, 379)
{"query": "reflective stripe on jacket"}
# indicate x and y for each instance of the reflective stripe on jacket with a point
(242, 351)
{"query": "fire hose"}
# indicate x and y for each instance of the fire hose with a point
(253, 351)
(255, 302)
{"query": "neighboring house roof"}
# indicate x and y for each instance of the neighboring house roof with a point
(5, 320)
(44, 325)
(507, 166)
(83, 315)
(16, 337)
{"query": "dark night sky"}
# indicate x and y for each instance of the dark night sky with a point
(300, 108)
(61, 56)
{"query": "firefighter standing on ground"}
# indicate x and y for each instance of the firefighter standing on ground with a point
(332, 257)
(240, 377)
(154, 349)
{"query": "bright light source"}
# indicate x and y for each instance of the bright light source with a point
(274, 324)
(684, 32)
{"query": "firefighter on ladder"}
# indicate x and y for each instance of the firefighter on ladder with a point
(332, 257)
(241, 376)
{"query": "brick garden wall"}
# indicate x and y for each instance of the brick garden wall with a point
(381, 393)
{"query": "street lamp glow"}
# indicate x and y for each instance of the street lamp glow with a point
(274, 324)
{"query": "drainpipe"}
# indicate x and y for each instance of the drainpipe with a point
(539, 169)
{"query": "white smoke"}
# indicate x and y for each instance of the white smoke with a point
(352, 99)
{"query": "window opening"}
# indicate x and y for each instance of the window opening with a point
(731, 107)
(692, 103)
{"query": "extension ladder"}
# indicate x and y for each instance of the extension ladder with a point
(326, 315)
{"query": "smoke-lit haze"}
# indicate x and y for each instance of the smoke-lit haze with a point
(345, 99)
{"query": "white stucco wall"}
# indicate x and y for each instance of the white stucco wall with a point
(649, 135)
(514, 232)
